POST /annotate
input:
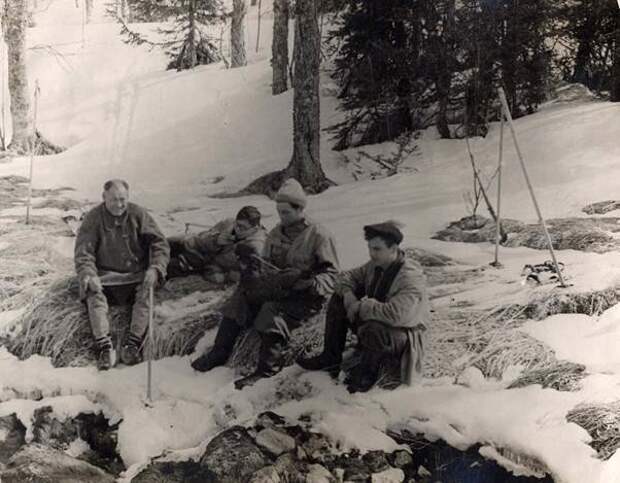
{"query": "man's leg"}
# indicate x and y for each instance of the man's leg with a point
(336, 327)
(97, 304)
(380, 344)
(274, 323)
(237, 313)
(130, 352)
(178, 266)
(227, 334)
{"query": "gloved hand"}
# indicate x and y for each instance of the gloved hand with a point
(151, 276)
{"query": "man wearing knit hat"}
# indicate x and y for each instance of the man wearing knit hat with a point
(300, 256)
(385, 303)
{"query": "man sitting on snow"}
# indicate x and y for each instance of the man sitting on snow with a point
(301, 258)
(386, 303)
(212, 252)
(120, 253)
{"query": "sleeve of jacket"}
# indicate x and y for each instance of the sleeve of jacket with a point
(159, 249)
(326, 259)
(352, 280)
(86, 244)
(396, 310)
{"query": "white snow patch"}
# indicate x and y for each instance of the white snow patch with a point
(77, 448)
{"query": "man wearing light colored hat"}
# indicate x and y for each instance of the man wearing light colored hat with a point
(301, 264)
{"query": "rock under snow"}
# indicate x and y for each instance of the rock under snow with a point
(46, 465)
(275, 441)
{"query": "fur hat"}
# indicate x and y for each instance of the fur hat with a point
(291, 192)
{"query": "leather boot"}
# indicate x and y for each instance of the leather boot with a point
(227, 334)
(336, 327)
(269, 360)
(365, 375)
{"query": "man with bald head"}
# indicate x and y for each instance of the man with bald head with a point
(120, 253)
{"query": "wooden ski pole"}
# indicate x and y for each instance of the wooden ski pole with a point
(498, 226)
(258, 25)
(149, 369)
(33, 145)
(506, 109)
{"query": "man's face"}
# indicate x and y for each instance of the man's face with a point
(115, 200)
(380, 253)
(242, 228)
(289, 215)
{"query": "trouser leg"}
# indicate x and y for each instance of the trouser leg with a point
(225, 339)
(139, 313)
(336, 327)
(381, 339)
(97, 304)
(382, 348)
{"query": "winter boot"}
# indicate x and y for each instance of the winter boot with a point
(269, 360)
(130, 352)
(364, 376)
(227, 334)
(107, 355)
(321, 362)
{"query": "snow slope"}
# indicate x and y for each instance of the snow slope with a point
(173, 134)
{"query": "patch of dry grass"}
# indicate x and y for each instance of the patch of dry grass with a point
(602, 422)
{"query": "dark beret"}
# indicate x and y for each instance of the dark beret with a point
(387, 229)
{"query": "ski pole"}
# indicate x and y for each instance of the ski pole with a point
(33, 146)
(498, 227)
(506, 109)
(149, 370)
(266, 263)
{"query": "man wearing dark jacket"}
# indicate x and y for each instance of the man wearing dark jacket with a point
(120, 253)
(385, 302)
(300, 265)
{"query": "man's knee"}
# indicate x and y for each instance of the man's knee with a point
(336, 308)
(265, 318)
(378, 337)
(270, 321)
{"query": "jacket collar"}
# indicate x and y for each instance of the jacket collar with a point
(110, 221)
(400, 258)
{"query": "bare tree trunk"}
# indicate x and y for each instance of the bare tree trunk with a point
(191, 36)
(615, 76)
(237, 34)
(279, 47)
(15, 37)
(125, 11)
(253, 3)
(305, 164)
(89, 10)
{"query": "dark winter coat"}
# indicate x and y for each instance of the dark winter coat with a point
(128, 244)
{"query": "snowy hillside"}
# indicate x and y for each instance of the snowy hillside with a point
(178, 137)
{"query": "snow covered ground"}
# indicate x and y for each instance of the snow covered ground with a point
(173, 134)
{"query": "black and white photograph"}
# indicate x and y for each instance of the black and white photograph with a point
(310, 241)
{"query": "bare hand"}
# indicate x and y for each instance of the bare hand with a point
(349, 299)
(150, 278)
(353, 311)
(92, 283)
